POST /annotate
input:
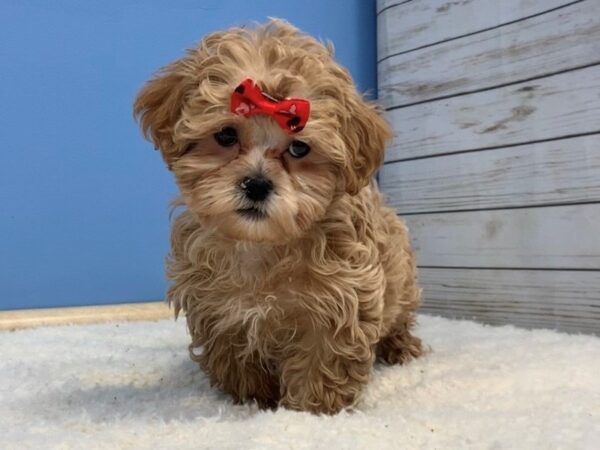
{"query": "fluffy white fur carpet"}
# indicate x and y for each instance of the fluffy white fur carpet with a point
(131, 385)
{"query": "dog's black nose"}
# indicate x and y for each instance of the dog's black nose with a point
(256, 188)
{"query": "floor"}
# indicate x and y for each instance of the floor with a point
(132, 385)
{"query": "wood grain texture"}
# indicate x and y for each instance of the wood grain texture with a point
(550, 43)
(549, 237)
(551, 107)
(423, 22)
(496, 156)
(564, 171)
(31, 318)
(567, 301)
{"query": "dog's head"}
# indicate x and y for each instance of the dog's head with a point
(248, 176)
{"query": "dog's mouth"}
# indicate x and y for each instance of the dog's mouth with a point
(252, 213)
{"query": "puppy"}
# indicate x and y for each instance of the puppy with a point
(292, 275)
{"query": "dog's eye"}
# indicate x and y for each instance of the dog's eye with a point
(227, 137)
(298, 149)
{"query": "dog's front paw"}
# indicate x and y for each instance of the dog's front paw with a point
(321, 400)
(399, 347)
(324, 387)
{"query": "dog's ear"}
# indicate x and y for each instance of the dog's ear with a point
(365, 133)
(159, 104)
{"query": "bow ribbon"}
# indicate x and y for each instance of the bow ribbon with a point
(291, 114)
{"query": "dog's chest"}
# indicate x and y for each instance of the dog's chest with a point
(248, 292)
(268, 280)
(254, 263)
(261, 304)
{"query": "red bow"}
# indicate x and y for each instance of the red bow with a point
(291, 114)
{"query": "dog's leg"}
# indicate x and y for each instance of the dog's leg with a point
(399, 346)
(242, 376)
(325, 371)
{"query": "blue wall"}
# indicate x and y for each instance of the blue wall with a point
(84, 199)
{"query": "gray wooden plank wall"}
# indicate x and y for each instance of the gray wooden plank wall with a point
(495, 162)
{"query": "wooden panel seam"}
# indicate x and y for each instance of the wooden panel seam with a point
(393, 5)
(430, 20)
(565, 300)
(543, 46)
(546, 109)
(563, 172)
(554, 237)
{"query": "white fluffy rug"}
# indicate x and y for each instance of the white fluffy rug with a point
(131, 385)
